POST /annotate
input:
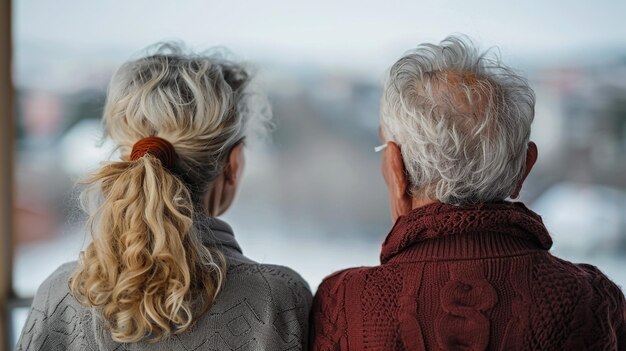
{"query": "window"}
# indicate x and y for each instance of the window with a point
(314, 190)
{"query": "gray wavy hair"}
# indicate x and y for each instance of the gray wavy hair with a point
(462, 120)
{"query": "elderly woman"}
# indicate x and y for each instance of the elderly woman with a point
(462, 268)
(162, 271)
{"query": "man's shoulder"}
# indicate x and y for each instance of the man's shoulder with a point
(348, 277)
(574, 299)
(575, 287)
(603, 287)
(338, 291)
(555, 270)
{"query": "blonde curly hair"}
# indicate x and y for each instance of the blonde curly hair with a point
(146, 268)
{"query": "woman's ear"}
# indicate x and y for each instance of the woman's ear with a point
(235, 164)
(531, 158)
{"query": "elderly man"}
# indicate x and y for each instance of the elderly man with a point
(462, 268)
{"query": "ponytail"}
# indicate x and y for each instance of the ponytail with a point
(146, 268)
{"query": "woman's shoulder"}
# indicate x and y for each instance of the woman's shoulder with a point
(260, 306)
(279, 279)
(63, 271)
(264, 287)
(56, 286)
(54, 313)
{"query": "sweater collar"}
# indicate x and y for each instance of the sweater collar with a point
(215, 232)
(446, 230)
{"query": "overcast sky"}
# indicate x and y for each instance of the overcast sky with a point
(354, 34)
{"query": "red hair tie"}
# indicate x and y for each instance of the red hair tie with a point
(157, 147)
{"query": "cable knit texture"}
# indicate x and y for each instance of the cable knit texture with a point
(261, 307)
(469, 278)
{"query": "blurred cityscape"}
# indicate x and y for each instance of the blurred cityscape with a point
(313, 189)
(317, 181)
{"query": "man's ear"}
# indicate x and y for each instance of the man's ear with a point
(232, 168)
(531, 158)
(398, 172)
(399, 185)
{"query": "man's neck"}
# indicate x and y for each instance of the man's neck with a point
(421, 202)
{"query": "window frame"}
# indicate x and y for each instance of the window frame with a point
(8, 298)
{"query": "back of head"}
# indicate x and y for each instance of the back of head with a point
(146, 268)
(462, 120)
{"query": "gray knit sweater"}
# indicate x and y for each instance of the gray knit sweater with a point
(261, 307)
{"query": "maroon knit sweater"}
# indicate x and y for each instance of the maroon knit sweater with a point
(469, 278)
